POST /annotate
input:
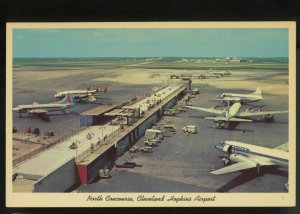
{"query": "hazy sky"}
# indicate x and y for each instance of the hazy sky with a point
(150, 42)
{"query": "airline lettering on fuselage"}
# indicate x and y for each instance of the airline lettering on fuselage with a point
(239, 148)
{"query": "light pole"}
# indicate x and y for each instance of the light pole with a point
(75, 146)
(73, 126)
(76, 153)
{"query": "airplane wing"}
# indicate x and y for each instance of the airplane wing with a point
(229, 120)
(236, 99)
(199, 75)
(234, 167)
(210, 110)
(38, 111)
(283, 147)
(257, 113)
(219, 99)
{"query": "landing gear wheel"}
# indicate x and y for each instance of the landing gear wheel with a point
(220, 125)
(259, 170)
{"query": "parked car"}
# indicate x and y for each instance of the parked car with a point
(190, 129)
(36, 131)
(150, 143)
(134, 149)
(147, 149)
(170, 128)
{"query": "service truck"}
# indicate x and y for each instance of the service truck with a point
(154, 135)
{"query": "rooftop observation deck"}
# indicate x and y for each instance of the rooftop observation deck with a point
(93, 140)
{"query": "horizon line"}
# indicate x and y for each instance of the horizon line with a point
(149, 57)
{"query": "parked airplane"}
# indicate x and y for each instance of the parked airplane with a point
(249, 156)
(40, 109)
(221, 73)
(233, 114)
(207, 76)
(243, 98)
(79, 95)
(188, 76)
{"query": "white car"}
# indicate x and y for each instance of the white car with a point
(190, 129)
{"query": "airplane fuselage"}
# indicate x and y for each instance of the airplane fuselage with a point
(259, 155)
(221, 73)
(233, 110)
(78, 94)
(47, 107)
(240, 97)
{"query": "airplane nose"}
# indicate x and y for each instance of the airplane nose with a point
(16, 109)
(219, 146)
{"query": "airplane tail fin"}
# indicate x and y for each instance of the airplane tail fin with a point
(105, 89)
(258, 91)
(67, 100)
(89, 88)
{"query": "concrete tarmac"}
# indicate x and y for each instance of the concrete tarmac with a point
(181, 163)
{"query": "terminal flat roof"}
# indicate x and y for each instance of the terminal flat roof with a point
(48, 160)
(119, 112)
(158, 95)
(101, 109)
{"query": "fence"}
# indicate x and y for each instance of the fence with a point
(47, 146)
(101, 142)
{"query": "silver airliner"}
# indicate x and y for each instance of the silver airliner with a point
(221, 73)
(234, 114)
(247, 156)
(41, 109)
(80, 95)
(242, 98)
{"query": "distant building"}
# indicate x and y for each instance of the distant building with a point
(235, 60)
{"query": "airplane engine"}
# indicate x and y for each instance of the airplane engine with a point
(227, 149)
(76, 98)
(269, 118)
(22, 110)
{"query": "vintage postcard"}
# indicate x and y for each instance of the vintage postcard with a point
(168, 114)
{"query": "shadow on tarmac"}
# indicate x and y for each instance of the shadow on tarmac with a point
(46, 117)
(249, 175)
